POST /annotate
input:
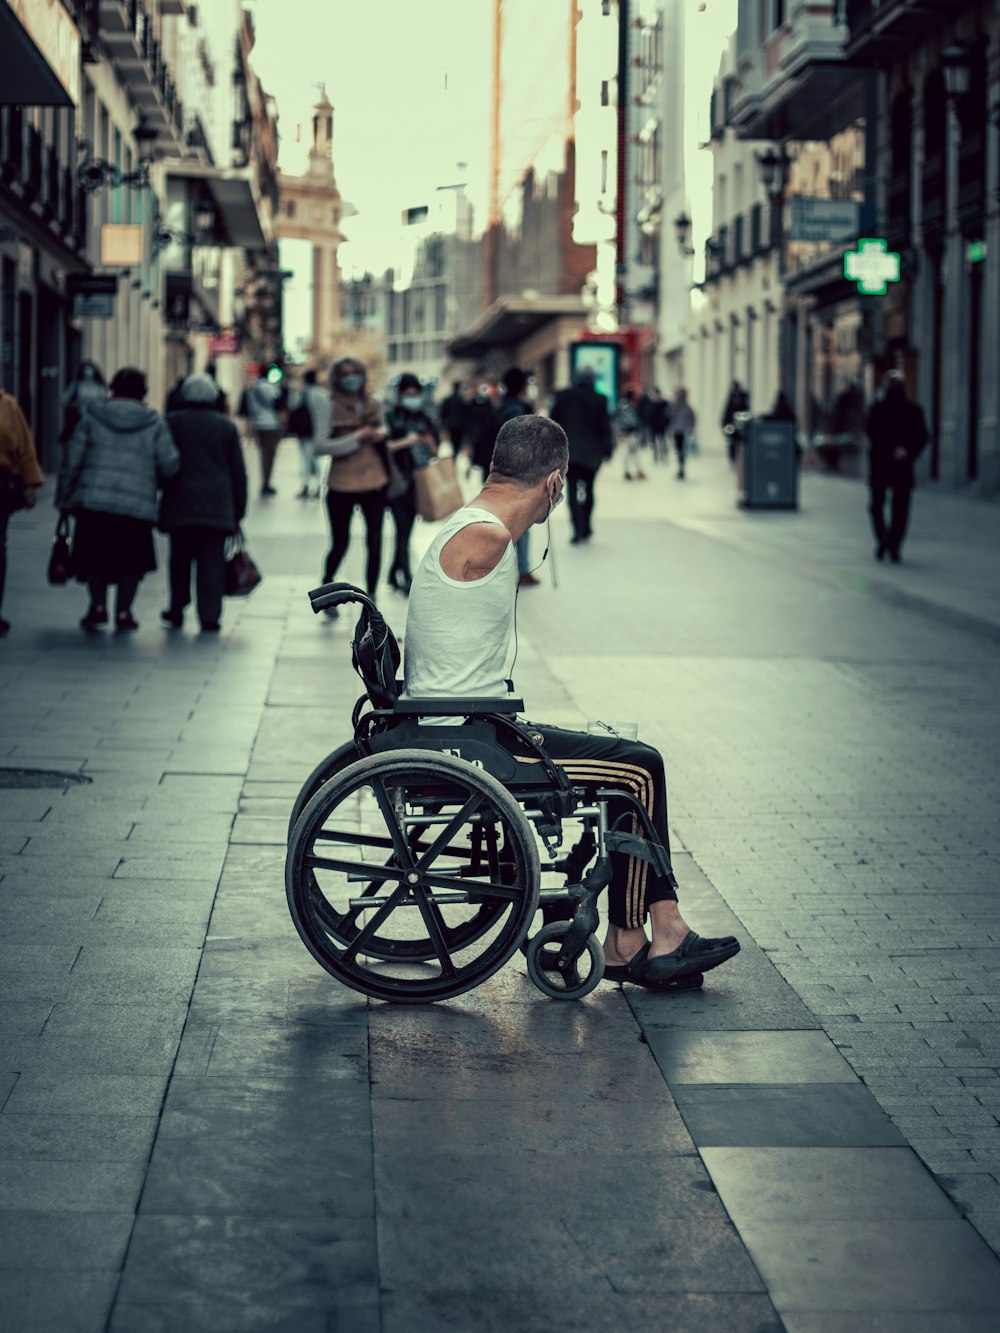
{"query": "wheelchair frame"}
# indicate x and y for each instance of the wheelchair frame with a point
(455, 795)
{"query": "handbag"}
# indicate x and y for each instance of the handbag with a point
(61, 560)
(436, 489)
(242, 574)
(13, 493)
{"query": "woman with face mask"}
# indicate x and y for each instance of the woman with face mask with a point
(358, 474)
(85, 390)
(413, 441)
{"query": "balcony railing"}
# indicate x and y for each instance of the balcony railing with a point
(756, 229)
(34, 174)
(128, 34)
(725, 257)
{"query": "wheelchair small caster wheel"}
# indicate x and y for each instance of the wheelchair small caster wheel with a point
(572, 982)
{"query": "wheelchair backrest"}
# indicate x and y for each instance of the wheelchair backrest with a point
(376, 657)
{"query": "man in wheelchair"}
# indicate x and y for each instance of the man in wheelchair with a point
(460, 632)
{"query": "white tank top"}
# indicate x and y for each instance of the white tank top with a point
(458, 634)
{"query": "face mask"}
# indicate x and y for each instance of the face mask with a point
(556, 500)
(351, 383)
(412, 402)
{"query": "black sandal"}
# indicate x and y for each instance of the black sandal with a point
(692, 955)
(636, 972)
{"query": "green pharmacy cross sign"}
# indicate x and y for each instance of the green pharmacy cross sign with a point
(872, 266)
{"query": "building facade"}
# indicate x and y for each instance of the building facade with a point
(118, 120)
(938, 192)
(884, 119)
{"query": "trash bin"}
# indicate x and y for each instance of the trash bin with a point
(768, 470)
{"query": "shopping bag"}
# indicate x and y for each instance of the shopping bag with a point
(436, 489)
(61, 559)
(242, 574)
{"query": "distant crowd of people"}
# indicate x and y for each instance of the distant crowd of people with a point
(126, 470)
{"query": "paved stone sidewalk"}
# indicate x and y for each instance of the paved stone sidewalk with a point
(204, 1131)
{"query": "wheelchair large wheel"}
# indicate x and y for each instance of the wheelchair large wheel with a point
(326, 769)
(343, 926)
(412, 876)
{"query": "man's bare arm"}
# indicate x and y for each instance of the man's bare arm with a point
(474, 552)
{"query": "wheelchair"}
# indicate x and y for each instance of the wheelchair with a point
(418, 855)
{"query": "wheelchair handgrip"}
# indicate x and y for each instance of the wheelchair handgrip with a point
(334, 594)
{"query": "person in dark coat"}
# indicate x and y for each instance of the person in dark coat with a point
(898, 435)
(583, 414)
(117, 458)
(204, 503)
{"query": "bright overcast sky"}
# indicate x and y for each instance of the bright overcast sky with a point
(410, 85)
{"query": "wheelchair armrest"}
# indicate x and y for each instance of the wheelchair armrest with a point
(455, 707)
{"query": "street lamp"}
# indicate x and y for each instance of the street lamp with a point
(956, 69)
(774, 168)
(682, 226)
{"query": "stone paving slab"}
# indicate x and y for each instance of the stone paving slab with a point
(831, 756)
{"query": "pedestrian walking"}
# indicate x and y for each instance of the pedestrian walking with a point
(412, 442)
(20, 477)
(264, 403)
(681, 428)
(630, 435)
(359, 474)
(659, 421)
(583, 414)
(513, 404)
(454, 416)
(898, 434)
(86, 388)
(737, 403)
(310, 421)
(203, 503)
(119, 455)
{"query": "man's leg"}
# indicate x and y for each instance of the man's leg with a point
(268, 441)
(575, 490)
(637, 889)
(900, 517)
(876, 507)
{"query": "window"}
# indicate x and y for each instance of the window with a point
(605, 96)
(290, 208)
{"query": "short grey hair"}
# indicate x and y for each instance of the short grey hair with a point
(527, 449)
(199, 389)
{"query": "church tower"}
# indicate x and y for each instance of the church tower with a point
(311, 210)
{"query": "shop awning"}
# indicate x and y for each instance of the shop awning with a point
(235, 198)
(26, 78)
(510, 320)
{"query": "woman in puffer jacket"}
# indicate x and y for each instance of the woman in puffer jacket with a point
(115, 461)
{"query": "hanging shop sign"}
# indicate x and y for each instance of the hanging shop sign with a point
(92, 294)
(121, 244)
(824, 219)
